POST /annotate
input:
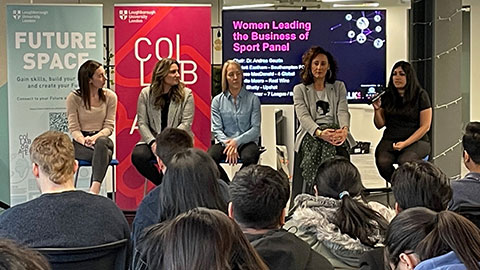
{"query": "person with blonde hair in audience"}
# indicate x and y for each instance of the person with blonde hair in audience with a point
(62, 216)
(337, 222)
(421, 239)
(199, 239)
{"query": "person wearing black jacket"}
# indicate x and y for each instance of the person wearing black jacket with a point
(259, 195)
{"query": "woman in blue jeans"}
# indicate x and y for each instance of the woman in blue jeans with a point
(235, 121)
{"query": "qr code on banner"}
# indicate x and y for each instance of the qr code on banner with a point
(58, 121)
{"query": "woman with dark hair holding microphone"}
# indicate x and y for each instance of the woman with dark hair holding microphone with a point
(406, 113)
(91, 116)
(321, 107)
(165, 103)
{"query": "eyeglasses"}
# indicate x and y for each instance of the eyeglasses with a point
(389, 265)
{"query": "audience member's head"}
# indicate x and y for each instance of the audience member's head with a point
(259, 195)
(171, 141)
(471, 146)
(53, 157)
(16, 257)
(190, 181)
(198, 239)
(420, 183)
(339, 179)
(418, 234)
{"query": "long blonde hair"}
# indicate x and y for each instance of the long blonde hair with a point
(224, 73)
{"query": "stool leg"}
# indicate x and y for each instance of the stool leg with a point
(388, 195)
(113, 182)
(76, 177)
(145, 187)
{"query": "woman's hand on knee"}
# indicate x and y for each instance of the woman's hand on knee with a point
(231, 151)
(89, 141)
(399, 146)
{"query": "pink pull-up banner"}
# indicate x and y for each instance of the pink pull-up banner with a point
(144, 34)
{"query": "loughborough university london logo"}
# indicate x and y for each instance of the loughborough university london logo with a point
(17, 14)
(122, 14)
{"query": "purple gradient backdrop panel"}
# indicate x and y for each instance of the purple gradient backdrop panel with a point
(269, 45)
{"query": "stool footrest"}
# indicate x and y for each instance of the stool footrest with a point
(385, 189)
(86, 163)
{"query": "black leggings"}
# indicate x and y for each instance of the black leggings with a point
(248, 153)
(100, 156)
(145, 162)
(386, 156)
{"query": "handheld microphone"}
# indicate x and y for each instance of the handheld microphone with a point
(375, 98)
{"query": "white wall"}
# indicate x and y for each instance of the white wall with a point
(474, 57)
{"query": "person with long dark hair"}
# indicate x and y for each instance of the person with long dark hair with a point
(191, 180)
(198, 239)
(320, 103)
(419, 238)
(406, 113)
(17, 257)
(166, 102)
(414, 184)
(337, 222)
(91, 116)
(236, 120)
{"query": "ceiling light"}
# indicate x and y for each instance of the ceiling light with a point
(336, 1)
(249, 6)
(362, 5)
